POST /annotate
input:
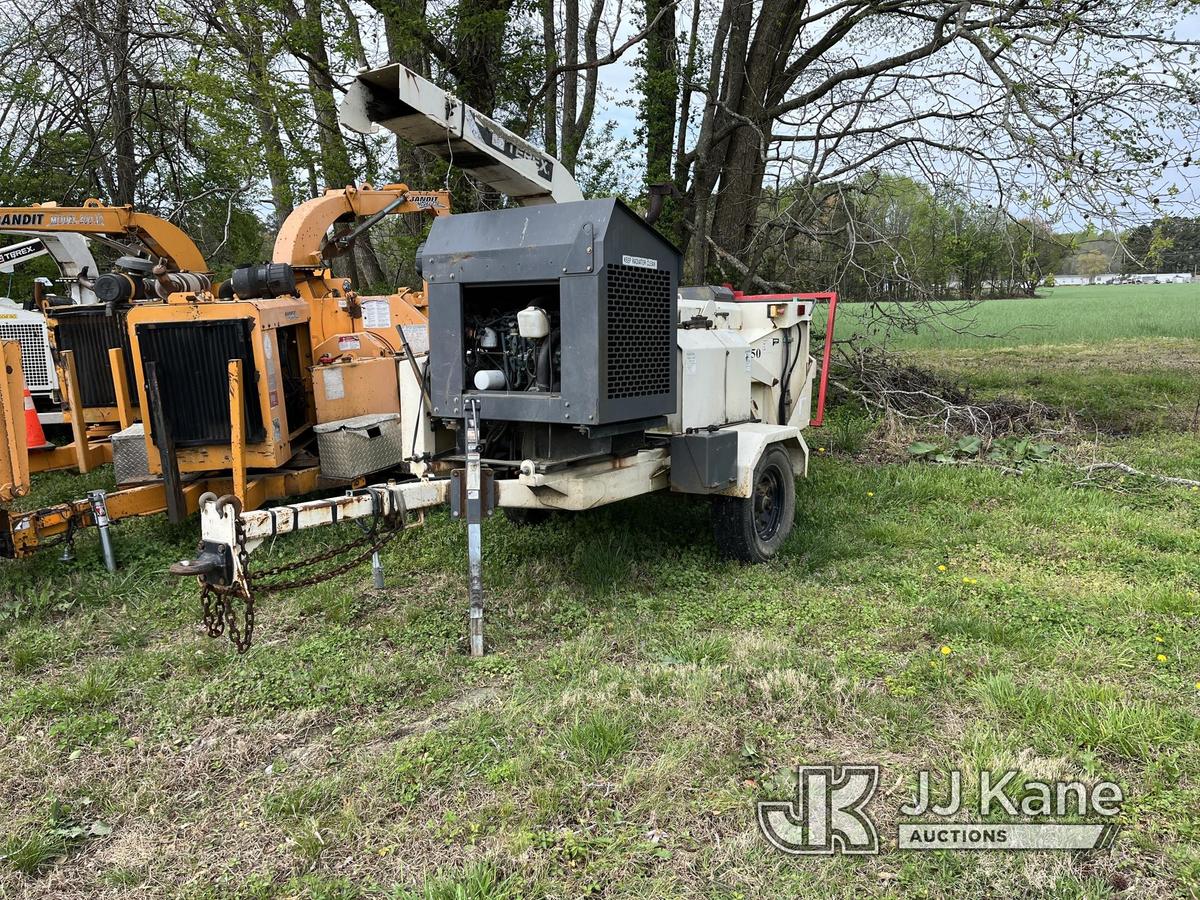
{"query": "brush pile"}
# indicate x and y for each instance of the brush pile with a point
(893, 389)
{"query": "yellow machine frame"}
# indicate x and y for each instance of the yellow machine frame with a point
(327, 308)
(14, 457)
(91, 426)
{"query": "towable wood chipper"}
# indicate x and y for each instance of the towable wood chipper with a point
(566, 370)
(224, 378)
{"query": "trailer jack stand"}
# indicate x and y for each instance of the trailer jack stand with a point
(99, 502)
(377, 572)
(474, 530)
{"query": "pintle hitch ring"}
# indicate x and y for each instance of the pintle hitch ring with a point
(213, 564)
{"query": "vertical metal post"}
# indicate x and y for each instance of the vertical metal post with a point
(237, 428)
(377, 571)
(165, 441)
(74, 411)
(116, 361)
(474, 529)
(14, 455)
(100, 515)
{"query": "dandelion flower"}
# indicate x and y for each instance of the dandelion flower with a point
(946, 651)
(1162, 657)
(870, 493)
(1198, 685)
(820, 449)
(1158, 639)
(941, 568)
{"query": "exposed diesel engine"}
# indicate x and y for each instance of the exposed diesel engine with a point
(514, 351)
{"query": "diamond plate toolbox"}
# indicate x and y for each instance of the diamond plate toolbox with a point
(350, 448)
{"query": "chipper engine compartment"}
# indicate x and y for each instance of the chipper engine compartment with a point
(558, 327)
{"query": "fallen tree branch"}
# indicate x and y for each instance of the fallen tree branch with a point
(980, 464)
(728, 257)
(1130, 470)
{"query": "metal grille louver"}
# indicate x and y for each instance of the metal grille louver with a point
(640, 348)
(192, 360)
(89, 332)
(35, 353)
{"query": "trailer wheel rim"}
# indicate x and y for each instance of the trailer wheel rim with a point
(768, 504)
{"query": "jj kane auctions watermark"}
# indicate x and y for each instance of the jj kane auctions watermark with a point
(829, 814)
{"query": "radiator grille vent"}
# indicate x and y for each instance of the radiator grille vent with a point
(641, 316)
(192, 360)
(39, 376)
(90, 332)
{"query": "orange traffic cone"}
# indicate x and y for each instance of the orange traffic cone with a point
(35, 438)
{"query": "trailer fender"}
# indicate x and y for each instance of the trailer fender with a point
(754, 438)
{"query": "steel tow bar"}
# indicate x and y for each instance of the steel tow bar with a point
(229, 535)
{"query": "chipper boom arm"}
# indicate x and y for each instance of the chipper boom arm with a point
(420, 112)
(159, 236)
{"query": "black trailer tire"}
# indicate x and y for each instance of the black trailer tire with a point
(751, 529)
(524, 517)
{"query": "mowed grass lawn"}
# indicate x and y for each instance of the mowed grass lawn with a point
(642, 693)
(1061, 315)
(1123, 359)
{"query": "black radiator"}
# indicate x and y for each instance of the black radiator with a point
(192, 360)
(90, 332)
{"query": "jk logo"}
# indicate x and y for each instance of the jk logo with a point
(828, 815)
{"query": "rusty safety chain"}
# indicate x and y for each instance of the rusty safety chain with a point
(218, 602)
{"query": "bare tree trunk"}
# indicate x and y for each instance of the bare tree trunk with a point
(706, 169)
(661, 91)
(577, 112)
(749, 98)
(122, 109)
(479, 46)
(550, 100)
(278, 168)
(335, 157)
(402, 30)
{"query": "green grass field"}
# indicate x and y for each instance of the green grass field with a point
(642, 693)
(1063, 315)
